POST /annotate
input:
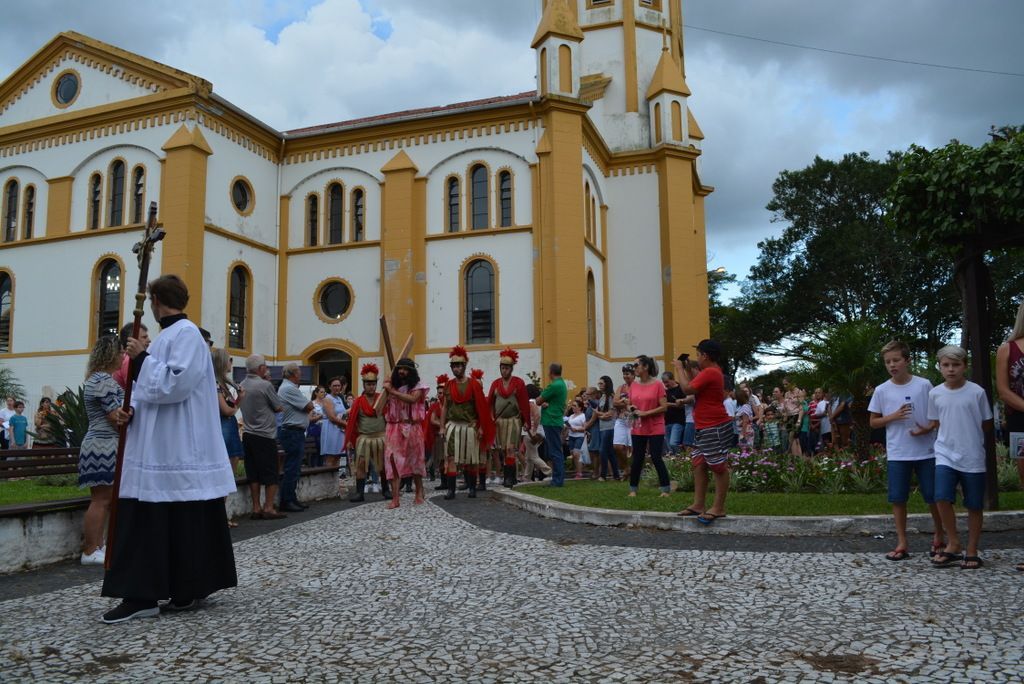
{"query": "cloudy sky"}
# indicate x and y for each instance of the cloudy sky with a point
(763, 107)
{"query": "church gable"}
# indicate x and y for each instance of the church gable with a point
(74, 73)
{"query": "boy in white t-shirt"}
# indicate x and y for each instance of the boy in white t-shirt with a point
(959, 409)
(900, 405)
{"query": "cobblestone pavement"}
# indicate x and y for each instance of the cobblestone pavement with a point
(418, 595)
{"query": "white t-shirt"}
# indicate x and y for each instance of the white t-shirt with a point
(821, 410)
(576, 424)
(900, 445)
(689, 412)
(5, 415)
(960, 412)
(730, 406)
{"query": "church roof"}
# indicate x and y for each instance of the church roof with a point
(411, 114)
(668, 76)
(558, 19)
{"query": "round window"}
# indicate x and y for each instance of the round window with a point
(335, 299)
(66, 89)
(241, 195)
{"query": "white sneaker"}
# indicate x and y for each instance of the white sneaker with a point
(97, 557)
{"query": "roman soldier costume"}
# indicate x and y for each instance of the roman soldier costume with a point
(511, 407)
(366, 433)
(468, 427)
(432, 441)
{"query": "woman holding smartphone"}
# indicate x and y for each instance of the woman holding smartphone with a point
(647, 404)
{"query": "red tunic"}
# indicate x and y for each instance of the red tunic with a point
(517, 387)
(475, 393)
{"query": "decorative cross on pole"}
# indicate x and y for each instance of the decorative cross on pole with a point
(143, 249)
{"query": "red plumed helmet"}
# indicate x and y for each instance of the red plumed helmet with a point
(369, 371)
(509, 356)
(442, 379)
(476, 374)
(458, 354)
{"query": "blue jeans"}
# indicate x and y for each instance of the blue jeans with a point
(689, 432)
(553, 445)
(608, 462)
(293, 442)
(899, 472)
(972, 484)
(674, 437)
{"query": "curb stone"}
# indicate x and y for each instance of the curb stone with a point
(749, 525)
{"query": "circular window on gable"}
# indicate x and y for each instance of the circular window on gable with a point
(66, 87)
(242, 197)
(333, 301)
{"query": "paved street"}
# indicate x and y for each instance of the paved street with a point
(421, 594)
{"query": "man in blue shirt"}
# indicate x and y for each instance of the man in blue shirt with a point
(292, 435)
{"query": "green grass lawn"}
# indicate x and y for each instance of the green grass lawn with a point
(33, 491)
(613, 495)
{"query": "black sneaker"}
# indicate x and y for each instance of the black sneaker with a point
(176, 606)
(129, 610)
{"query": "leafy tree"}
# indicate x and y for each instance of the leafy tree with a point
(838, 260)
(9, 385)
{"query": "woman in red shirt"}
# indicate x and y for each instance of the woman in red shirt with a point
(714, 434)
(647, 404)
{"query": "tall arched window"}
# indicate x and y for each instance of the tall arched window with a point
(6, 306)
(312, 220)
(95, 190)
(478, 185)
(336, 211)
(30, 211)
(657, 123)
(358, 215)
(115, 214)
(543, 71)
(587, 216)
(594, 225)
(479, 287)
(138, 194)
(591, 312)
(108, 297)
(238, 299)
(505, 190)
(11, 211)
(453, 205)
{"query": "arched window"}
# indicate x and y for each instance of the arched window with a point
(312, 221)
(95, 190)
(30, 211)
(238, 300)
(108, 297)
(564, 69)
(336, 211)
(657, 123)
(115, 215)
(6, 306)
(11, 211)
(505, 190)
(587, 216)
(543, 71)
(591, 313)
(453, 205)
(594, 225)
(138, 194)
(480, 317)
(478, 184)
(358, 215)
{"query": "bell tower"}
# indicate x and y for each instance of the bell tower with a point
(557, 43)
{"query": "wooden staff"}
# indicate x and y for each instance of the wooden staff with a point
(143, 249)
(390, 361)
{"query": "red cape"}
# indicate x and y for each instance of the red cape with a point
(484, 419)
(362, 404)
(515, 386)
(429, 431)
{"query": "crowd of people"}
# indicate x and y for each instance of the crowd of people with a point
(185, 439)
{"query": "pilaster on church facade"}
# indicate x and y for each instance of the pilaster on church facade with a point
(561, 222)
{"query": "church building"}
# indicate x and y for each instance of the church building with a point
(567, 222)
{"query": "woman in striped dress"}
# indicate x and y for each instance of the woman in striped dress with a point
(98, 453)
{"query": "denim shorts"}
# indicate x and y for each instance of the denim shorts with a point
(899, 479)
(575, 443)
(971, 484)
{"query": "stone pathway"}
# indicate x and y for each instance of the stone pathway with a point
(345, 596)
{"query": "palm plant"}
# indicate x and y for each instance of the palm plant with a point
(9, 385)
(846, 360)
(69, 421)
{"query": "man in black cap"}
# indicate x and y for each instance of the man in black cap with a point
(714, 430)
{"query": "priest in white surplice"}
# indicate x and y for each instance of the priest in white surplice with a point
(172, 541)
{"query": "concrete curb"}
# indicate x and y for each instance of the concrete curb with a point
(749, 525)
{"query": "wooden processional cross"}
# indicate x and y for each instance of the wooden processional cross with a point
(143, 249)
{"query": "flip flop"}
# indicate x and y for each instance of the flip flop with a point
(897, 555)
(706, 518)
(935, 549)
(689, 512)
(945, 559)
(1020, 567)
(971, 563)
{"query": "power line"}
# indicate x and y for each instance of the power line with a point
(855, 54)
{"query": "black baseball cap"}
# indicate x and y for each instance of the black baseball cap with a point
(710, 347)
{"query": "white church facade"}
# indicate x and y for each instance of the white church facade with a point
(567, 222)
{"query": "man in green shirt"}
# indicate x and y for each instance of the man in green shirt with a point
(552, 402)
